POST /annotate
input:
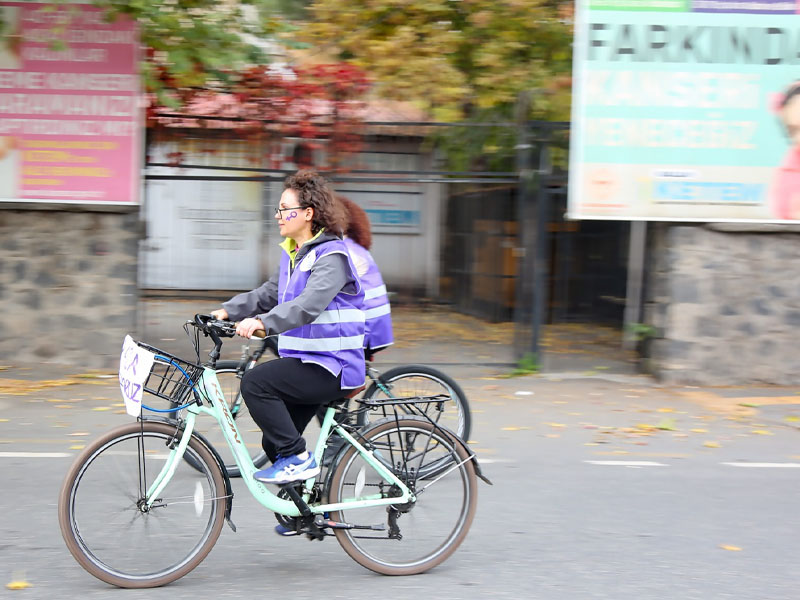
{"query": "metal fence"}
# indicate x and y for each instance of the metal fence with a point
(506, 250)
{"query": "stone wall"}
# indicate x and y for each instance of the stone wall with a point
(725, 304)
(68, 286)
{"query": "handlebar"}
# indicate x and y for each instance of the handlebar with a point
(209, 325)
(217, 329)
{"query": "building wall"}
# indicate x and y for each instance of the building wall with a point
(202, 234)
(725, 304)
(68, 286)
(222, 235)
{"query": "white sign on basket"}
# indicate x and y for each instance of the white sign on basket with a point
(134, 367)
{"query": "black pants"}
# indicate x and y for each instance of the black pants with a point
(282, 396)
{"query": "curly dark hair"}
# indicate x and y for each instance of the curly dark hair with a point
(358, 226)
(313, 191)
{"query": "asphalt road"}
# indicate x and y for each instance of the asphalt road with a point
(603, 488)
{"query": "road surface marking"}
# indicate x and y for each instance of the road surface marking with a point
(34, 454)
(626, 463)
(762, 465)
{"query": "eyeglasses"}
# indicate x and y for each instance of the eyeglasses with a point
(279, 210)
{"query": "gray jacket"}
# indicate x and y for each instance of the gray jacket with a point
(329, 276)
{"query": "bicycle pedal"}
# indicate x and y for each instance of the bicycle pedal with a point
(321, 522)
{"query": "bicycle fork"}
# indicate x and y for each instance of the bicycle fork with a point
(168, 470)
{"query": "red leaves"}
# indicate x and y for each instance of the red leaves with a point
(312, 102)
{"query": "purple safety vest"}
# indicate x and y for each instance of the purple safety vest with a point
(378, 328)
(335, 339)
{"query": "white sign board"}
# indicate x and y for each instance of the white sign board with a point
(134, 367)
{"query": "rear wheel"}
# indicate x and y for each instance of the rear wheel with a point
(409, 381)
(105, 520)
(422, 533)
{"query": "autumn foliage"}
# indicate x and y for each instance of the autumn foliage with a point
(265, 103)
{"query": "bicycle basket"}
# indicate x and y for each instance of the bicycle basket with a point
(171, 378)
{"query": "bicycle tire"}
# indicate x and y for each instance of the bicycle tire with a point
(88, 508)
(229, 369)
(419, 520)
(411, 380)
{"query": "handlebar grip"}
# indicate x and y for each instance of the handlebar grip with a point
(260, 333)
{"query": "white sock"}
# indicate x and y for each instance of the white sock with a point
(303, 456)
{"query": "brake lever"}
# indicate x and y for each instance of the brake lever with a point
(225, 328)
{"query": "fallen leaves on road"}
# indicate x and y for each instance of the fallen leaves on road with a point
(24, 387)
(711, 444)
(730, 548)
(666, 425)
(644, 427)
(18, 585)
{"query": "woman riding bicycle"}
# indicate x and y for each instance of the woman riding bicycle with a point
(358, 239)
(315, 302)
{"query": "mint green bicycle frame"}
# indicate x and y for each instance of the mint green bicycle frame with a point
(216, 406)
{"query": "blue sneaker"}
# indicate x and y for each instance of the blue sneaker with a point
(287, 469)
(284, 531)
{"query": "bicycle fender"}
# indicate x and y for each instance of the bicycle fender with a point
(217, 458)
(468, 450)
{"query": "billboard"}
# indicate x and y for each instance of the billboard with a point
(70, 115)
(686, 110)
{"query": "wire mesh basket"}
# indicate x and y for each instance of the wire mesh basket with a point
(171, 378)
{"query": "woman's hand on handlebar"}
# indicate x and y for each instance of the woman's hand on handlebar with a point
(220, 314)
(248, 328)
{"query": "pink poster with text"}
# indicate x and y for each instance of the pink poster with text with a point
(70, 117)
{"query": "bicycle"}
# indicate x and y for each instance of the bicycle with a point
(134, 514)
(398, 382)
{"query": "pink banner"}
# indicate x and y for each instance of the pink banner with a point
(70, 120)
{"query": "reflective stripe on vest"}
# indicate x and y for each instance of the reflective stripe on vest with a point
(288, 342)
(375, 292)
(373, 313)
(345, 315)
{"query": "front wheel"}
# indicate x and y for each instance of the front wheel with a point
(423, 532)
(409, 381)
(105, 520)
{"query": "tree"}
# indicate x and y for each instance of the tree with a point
(456, 58)
(189, 44)
(194, 44)
(311, 103)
